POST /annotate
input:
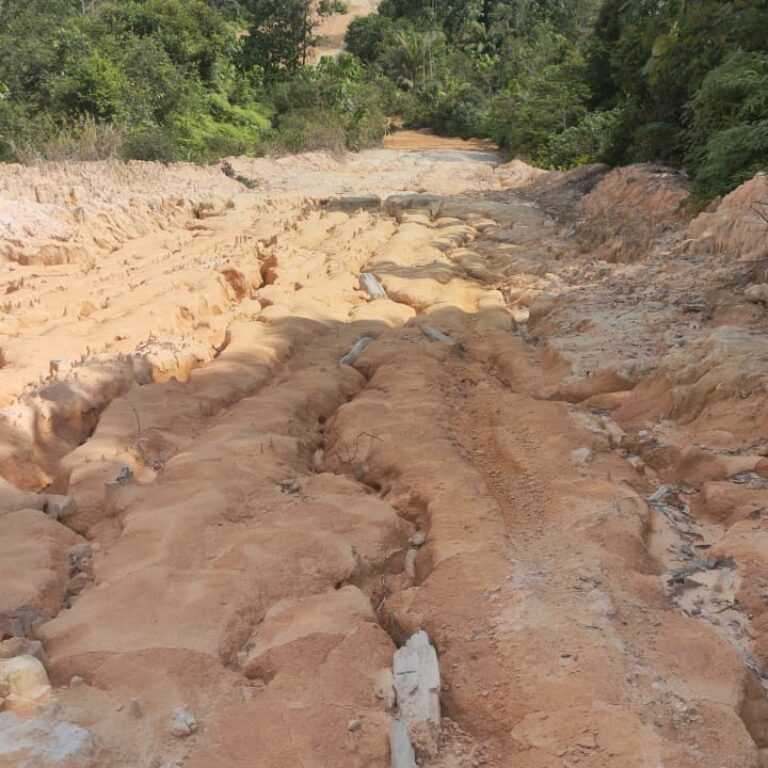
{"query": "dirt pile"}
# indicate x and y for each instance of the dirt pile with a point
(375, 396)
(737, 225)
(631, 211)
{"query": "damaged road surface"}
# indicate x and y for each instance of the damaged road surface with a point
(408, 459)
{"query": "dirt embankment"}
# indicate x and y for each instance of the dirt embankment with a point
(259, 439)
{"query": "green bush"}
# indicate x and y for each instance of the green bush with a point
(589, 141)
(149, 79)
(731, 157)
(366, 37)
(155, 144)
(307, 130)
(461, 112)
(656, 141)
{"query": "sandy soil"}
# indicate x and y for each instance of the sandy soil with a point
(332, 29)
(234, 483)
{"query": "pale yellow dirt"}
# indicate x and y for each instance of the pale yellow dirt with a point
(583, 455)
(332, 29)
(420, 140)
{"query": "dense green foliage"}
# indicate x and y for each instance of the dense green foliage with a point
(161, 74)
(169, 79)
(559, 82)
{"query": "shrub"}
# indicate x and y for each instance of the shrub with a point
(589, 141)
(366, 36)
(306, 130)
(154, 144)
(84, 140)
(731, 157)
(462, 112)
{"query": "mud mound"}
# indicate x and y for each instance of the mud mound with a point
(631, 210)
(738, 225)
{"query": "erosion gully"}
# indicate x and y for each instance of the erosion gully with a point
(242, 546)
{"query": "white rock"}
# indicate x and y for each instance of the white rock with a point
(44, 741)
(183, 723)
(581, 455)
(419, 539)
(417, 684)
(24, 681)
(410, 563)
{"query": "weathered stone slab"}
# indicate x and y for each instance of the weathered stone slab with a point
(417, 684)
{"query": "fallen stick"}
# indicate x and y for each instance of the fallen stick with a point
(433, 334)
(372, 286)
(351, 357)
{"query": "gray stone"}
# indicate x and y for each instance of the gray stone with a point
(59, 507)
(183, 723)
(581, 455)
(352, 203)
(435, 334)
(351, 357)
(43, 741)
(372, 286)
(80, 557)
(417, 684)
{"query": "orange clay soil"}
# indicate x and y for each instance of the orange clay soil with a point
(234, 483)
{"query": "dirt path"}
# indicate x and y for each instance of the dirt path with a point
(236, 482)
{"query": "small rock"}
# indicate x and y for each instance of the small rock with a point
(410, 563)
(318, 460)
(135, 709)
(354, 725)
(80, 558)
(290, 486)
(419, 539)
(76, 681)
(183, 723)
(59, 507)
(124, 476)
(23, 680)
(384, 688)
(581, 455)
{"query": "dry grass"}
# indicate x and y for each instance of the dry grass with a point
(86, 140)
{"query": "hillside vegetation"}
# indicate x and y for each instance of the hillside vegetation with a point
(556, 82)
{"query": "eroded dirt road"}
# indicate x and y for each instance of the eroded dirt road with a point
(235, 481)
